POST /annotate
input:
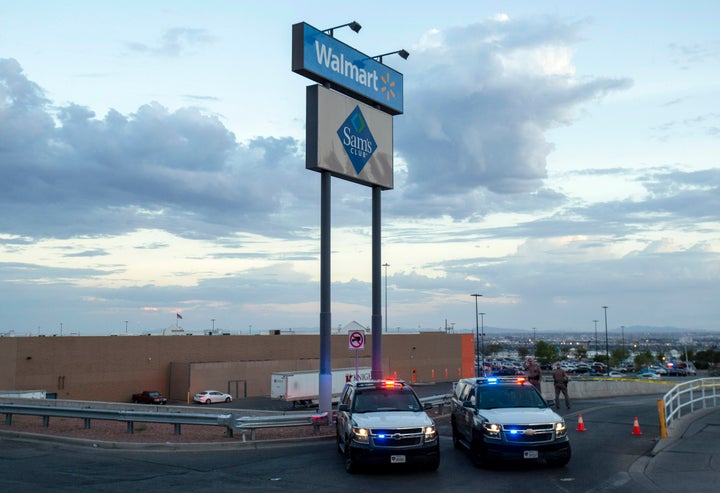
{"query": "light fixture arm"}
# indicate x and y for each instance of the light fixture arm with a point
(352, 25)
(404, 54)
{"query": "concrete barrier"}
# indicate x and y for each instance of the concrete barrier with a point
(589, 388)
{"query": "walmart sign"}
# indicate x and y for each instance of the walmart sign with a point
(326, 60)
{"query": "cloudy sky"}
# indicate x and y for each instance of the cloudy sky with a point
(553, 156)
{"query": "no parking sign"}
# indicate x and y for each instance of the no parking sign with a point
(356, 339)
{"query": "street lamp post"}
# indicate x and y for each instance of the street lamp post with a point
(607, 346)
(386, 265)
(596, 346)
(477, 334)
(126, 322)
(482, 341)
(213, 324)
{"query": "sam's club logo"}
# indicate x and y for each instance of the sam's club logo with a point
(357, 140)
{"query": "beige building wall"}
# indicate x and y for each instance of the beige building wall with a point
(112, 368)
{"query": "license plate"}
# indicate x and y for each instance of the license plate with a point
(397, 459)
(530, 454)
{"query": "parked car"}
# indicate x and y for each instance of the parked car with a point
(616, 374)
(648, 374)
(688, 366)
(674, 370)
(149, 397)
(211, 396)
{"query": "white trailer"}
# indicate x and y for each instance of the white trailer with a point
(303, 387)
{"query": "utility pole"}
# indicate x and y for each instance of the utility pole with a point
(596, 346)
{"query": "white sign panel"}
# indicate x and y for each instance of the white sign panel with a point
(356, 339)
(348, 138)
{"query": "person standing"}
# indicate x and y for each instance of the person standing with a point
(534, 374)
(560, 380)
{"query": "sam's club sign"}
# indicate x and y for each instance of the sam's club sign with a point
(348, 138)
(324, 59)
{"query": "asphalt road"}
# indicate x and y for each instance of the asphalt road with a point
(602, 456)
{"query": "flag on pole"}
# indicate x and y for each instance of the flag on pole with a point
(179, 316)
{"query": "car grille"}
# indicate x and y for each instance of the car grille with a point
(535, 433)
(398, 437)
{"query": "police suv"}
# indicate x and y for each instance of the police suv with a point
(505, 418)
(384, 422)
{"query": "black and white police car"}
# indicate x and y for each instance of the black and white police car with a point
(384, 422)
(505, 418)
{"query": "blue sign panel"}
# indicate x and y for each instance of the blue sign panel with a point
(324, 59)
(357, 139)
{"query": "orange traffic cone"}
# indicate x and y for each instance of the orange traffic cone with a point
(581, 424)
(636, 427)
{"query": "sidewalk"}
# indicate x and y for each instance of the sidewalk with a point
(688, 460)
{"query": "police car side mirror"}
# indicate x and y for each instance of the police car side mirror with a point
(427, 405)
(550, 402)
(468, 404)
(343, 407)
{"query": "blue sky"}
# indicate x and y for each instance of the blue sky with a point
(555, 157)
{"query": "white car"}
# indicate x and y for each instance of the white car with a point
(649, 375)
(211, 396)
(616, 374)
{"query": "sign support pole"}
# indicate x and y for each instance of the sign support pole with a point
(325, 383)
(376, 321)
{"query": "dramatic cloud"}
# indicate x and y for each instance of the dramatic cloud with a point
(481, 105)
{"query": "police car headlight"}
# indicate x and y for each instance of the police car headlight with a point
(492, 430)
(430, 433)
(361, 435)
(560, 429)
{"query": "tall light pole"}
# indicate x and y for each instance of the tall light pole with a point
(607, 346)
(477, 335)
(126, 322)
(386, 265)
(482, 339)
(596, 347)
(213, 324)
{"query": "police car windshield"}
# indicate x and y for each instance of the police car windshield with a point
(381, 400)
(493, 397)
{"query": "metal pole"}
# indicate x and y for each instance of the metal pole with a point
(325, 378)
(376, 372)
(386, 265)
(477, 335)
(607, 346)
(596, 343)
(482, 338)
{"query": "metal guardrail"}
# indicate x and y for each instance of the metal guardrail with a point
(130, 417)
(686, 398)
(235, 422)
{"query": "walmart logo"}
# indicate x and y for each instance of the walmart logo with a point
(357, 140)
(388, 87)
